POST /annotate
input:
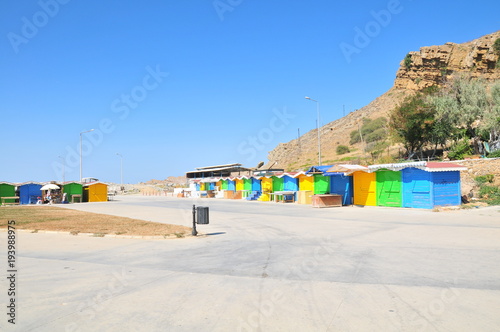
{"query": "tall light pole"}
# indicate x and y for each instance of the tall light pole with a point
(83, 132)
(121, 170)
(319, 135)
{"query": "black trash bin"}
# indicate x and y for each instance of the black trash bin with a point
(202, 215)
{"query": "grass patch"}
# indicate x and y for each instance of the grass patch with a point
(489, 194)
(349, 158)
(47, 218)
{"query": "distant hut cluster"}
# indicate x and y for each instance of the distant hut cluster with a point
(423, 185)
(53, 192)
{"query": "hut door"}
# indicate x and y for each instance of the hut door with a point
(321, 184)
(446, 188)
(342, 185)
(365, 189)
(389, 188)
(417, 189)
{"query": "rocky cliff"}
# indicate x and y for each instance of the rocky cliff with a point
(431, 65)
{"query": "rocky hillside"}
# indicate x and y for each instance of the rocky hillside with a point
(429, 66)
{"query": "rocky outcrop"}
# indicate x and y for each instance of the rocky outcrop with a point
(432, 65)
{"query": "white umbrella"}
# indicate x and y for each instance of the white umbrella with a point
(49, 187)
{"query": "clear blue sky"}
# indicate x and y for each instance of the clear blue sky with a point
(173, 85)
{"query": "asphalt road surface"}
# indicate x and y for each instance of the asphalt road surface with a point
(262, 266)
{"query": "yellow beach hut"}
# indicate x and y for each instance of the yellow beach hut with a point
(95, 192)
(365, 188)
(267, 187)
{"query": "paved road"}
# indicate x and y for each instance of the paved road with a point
(265, 267)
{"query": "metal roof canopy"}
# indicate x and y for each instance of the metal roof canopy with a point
(221, 170)
(218, 166)
(423, 165)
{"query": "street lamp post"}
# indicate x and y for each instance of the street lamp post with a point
(83, 132)
(318, 126)
(121, 171)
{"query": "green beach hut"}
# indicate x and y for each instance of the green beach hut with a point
(389, 188)
(7, 190)
(73, 188)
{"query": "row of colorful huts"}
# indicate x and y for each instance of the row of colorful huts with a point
(413, 185)
(31, 192)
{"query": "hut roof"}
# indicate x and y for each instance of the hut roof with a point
(423, 165)
(318, 169)
(346, 169)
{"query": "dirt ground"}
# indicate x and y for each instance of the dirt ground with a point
(49, 218)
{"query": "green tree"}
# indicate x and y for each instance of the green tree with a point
(460, 106)
(446, 121)
(412, 123)
(490, 124)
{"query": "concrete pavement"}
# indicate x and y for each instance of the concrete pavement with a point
(265, 267)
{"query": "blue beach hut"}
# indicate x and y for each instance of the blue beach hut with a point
(231, 185)
(256, 185)
(290, 183)
(341, 184)
(29, 192)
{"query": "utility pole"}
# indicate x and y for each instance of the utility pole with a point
(298, 138)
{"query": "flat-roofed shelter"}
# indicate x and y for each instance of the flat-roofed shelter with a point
(218, 171)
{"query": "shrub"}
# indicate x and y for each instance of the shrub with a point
(376, 135)
(355, 137)
(342, 149)
(496, 46)
(408, 61)
(482, 179)
(490, 192)
(495, 154)
(459, 150)
(370, 126)
(371, 130)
